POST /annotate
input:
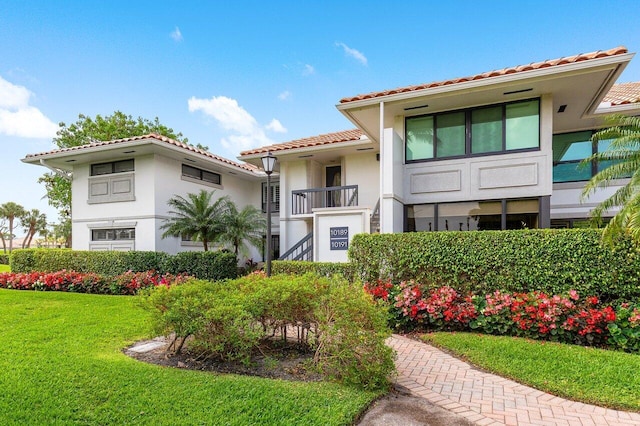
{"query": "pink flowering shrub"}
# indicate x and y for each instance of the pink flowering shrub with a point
(565, 318)
(442, 308)
(79, 282)
(130, 282)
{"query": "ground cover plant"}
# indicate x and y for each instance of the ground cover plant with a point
(568, 318)
(127, 283)
(61, 362)
(331, 318)
(590, 375)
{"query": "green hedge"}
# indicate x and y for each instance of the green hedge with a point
(325, 269)
(549, 260)
(4, 259)
(205, 265)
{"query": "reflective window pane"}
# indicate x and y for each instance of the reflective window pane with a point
(469, 216)
(523, 125)
(450, 131)
(419, 138)
(421, 218)
(486, 130)
(522, 214)
(123, 166)
(572, 146)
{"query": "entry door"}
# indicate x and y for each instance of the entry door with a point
(333, 177)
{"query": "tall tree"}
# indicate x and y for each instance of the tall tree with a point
(197, 217)
(247, 225)
(4, 232)
(33, 222)
(11, 211)
(623, 161)
(86, 130)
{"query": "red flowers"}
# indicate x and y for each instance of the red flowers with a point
(127, 283)
(566, 318)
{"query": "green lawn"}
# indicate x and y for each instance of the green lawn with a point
(596, 376)
(61, 363)
(5, 268)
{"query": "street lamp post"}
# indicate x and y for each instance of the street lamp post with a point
(268, 163)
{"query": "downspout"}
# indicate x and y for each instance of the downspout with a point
(381, 165)
(58, 172)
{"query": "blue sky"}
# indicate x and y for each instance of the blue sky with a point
(233, 75)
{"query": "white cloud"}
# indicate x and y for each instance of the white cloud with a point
(356, 54)
(284, 95)
(276, 126)
(244, 132)
(176, 35)
(18, 118)
(308, 70)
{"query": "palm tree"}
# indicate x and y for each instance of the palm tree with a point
(11, 211)
(247, 225)
(624, 156)
(3, 235)
(34, 222)
(197, 217)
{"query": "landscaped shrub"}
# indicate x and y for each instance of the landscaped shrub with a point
(351, 338)
(229, 320)
(4, 259)
(547, 260)
(82, 282)
(205, 265)
(625, 331)
(300, 267)
(536, 315)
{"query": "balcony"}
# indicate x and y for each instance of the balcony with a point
(303, 201)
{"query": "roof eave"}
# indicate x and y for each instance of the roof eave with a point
(489, 81)
(303, 150)
(136, 143)
(631, 108)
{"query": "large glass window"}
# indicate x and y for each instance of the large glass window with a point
(486, 130)
(470, 216)
(522, 125)
(112, 167)
(522, 214)
(474, 215)
(420, 138)
(569, 149)
(450, 134)
(115, 234)
(199, 174)
(493, 129)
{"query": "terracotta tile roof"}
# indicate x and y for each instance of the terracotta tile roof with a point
(624, 93)
(511, 70)
(326, 139)
(155, 136)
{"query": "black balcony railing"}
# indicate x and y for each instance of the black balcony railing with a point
(303, 201)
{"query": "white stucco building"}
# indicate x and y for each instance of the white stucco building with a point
(497, 150)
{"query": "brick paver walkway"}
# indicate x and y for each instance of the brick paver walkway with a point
(487, 399)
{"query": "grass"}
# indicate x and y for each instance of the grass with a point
(595, 376)
(5, 268)
(61, 363)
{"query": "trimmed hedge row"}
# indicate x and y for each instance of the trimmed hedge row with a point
(204, 265)
(550, 260)
(4, 259)
(323, 269)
